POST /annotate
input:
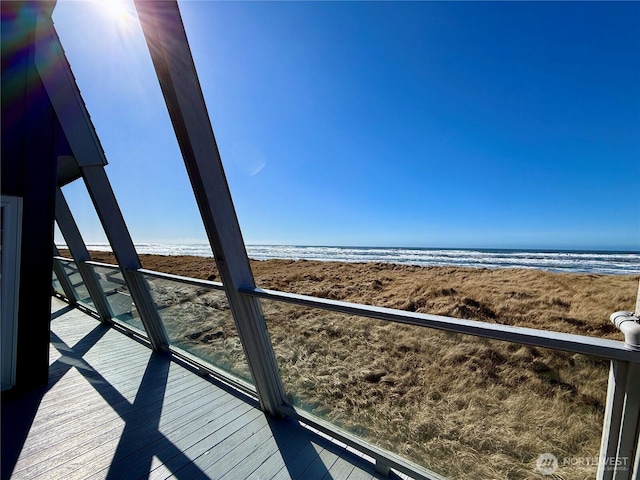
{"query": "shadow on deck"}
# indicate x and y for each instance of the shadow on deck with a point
(114, 409)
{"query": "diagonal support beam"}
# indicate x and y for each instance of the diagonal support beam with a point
(167, 41)
(117, 233)
(87, 151)
(80, 255)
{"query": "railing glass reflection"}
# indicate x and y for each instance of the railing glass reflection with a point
(77, 284)
(117, 294)
(198, 320)
(57, 288)
(462, 406)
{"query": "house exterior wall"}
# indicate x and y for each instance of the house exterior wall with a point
(31, 142)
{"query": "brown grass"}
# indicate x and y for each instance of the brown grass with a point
(465, 407)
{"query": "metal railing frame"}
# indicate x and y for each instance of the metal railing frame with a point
(619, 449)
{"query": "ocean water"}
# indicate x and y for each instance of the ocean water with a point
(600, 262)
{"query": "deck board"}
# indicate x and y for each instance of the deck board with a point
(215, 448)
(113, 409)
(182, 436)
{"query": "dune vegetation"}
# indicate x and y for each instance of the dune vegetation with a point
(465, 407)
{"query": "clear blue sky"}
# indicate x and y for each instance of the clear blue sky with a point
(506, 125)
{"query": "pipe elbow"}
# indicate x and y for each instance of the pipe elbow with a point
(629, 325)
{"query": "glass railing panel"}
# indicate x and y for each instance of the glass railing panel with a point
(198, 320)
(462, 406)
(117, 294)
(57, 288)
(77, 283)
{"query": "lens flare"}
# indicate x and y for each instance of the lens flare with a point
(118, 10)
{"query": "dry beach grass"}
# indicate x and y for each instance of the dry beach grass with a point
(465, 407)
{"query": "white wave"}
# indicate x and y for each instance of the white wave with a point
(613, 263)
(589, 262)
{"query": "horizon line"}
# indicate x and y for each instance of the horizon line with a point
(525, 249)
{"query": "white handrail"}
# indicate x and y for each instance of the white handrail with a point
(604, 348)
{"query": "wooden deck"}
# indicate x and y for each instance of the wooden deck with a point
(113, 409)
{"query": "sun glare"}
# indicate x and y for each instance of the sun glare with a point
(118, 10)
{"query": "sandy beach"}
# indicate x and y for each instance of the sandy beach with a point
(570, 303)
(466, 407)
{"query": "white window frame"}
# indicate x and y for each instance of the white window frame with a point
(10, 286)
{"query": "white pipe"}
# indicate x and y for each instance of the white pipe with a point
(628, 324)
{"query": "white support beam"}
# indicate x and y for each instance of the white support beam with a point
(80, 255)
(104, 201)
(81, 136)
(167, 41)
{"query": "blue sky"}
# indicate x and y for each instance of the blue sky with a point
(426, 124)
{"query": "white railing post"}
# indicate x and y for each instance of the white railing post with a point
(619, 446)
(629, 425)
(612, 418)
(636, 463)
